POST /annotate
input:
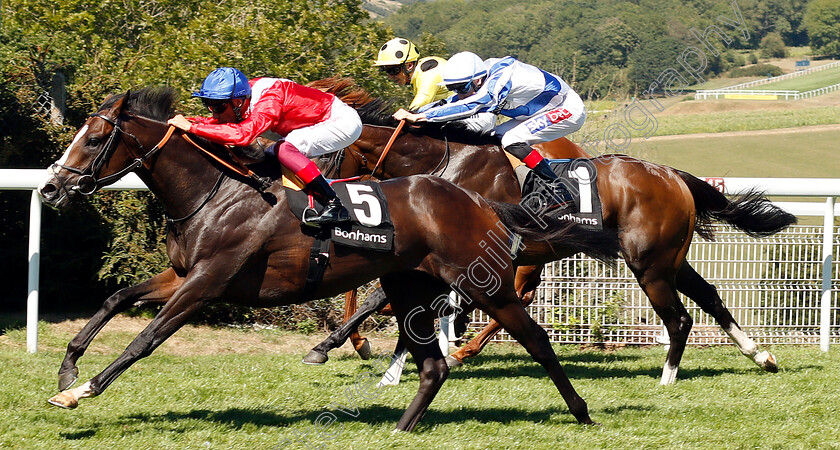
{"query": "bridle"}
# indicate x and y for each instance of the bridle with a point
(88, 183)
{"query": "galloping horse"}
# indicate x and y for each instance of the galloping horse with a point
(656, 210)
(237, 244)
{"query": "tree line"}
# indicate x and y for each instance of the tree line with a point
(609, 48)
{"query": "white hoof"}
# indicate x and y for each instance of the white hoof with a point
(669, 375)
(766, 361)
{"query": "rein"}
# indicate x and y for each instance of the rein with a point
(443, 160)
(388, 147)
(239, 167)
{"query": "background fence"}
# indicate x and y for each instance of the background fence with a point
(772, 286)
(786, 76)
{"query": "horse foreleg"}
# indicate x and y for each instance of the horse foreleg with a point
(373, 303)
(157, 289)
(705, 295)
(172, 317)
(526, 282)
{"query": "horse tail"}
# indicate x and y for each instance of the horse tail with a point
(750, 212)
(602, 245)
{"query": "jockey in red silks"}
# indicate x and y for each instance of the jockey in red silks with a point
(309, 122)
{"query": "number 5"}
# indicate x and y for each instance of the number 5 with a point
(361, 195)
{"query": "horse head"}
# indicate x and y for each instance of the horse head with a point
(99, 154)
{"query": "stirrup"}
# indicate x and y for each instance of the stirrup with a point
(331, 215)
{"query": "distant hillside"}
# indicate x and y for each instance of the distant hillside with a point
(384, 8)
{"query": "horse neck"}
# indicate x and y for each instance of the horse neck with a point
(481, 168)
(178, 175)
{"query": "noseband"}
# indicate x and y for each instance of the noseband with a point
(87, 183)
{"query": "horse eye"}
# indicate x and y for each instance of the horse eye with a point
(93, 142)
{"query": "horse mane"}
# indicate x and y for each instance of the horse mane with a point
(377, 111)
(345, 89)
(152, 102)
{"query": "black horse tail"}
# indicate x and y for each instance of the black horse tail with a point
(750, 212)
(602, 245)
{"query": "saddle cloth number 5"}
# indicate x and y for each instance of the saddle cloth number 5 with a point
(361, 196)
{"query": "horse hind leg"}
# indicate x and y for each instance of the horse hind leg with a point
(526, 282)
(705, 295)
(157, 289)
(373, 303)
(513, 317)
(663, 297)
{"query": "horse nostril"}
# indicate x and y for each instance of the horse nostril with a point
(48, 190)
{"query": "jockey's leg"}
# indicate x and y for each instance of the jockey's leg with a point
(315, 184)
(342, 128)
(532, 159)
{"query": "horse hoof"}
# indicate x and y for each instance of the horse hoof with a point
(67, 379)
(451, 361)
(364, 351)
(64, 400)
(767, 361)
(315, 358)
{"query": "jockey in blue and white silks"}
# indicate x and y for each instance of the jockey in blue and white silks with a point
(541, 106)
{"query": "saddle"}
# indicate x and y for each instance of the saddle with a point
(370, 225)
(578, 177)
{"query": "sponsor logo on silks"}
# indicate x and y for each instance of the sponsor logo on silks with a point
(359, 235)
(550, 118)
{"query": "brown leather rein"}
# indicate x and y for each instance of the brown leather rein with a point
(237, 166)
(388, 146)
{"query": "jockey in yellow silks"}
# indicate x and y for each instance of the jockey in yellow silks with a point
(401, 63)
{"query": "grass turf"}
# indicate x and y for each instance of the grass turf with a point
(501, 399)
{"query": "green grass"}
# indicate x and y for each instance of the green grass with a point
(716, 122)
(500, 400)
(809, 154)
(746, 120)
(805, 83)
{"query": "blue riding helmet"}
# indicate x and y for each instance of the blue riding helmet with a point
(224, 83)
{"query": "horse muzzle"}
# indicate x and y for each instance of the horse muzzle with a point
(57, 191)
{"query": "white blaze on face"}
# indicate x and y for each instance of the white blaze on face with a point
(79, 135)
(52, 170)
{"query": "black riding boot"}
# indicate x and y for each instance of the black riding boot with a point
(333, 213)
(543, 170)
(522, 151)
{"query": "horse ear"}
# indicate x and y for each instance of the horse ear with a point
(121, 104)
(118, 106)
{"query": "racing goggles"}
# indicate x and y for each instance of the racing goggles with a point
(461, 88)
(392, 70)
(215, 106)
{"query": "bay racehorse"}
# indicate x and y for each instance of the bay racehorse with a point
(655, 209)
(235, 243)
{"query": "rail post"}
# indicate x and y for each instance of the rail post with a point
(34, 272)
(825, 301)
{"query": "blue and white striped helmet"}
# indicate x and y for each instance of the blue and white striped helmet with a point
(463, 67)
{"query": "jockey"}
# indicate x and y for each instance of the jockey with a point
(402, 64)
(541, 106)
(313, 123)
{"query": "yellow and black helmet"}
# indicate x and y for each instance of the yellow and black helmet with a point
(395, 52)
